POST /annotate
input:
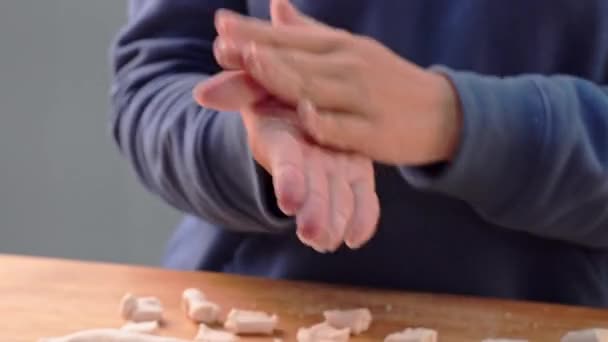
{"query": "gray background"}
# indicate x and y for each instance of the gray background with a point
(64, 189)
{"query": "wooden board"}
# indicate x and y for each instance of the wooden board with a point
(47, 297)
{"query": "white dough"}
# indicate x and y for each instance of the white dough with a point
(587, 335)
(323, 332)
(110, 335)
(357, 320)
(141, 327)
(206, 334)
(250, 322)
(140, 309)
(413, 335)
(198, 308)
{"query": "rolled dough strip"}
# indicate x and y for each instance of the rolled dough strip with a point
(141, 327)
(413, 335)
(250, 322)
(357, 320)
(198, 308)
(587, 335)
(140, 309)
(110, 335)
(323, 332)
(206, 334)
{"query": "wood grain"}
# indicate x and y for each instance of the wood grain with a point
(47, 297)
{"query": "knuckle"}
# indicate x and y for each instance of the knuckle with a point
(343, 40)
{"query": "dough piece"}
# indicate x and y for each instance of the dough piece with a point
(358, 320)
(250, 322)
(141, 327)
(206, 334)
(110, 335)
(413, 335)
(587, 335)
(323, 332)
(198, 308)
(140, 309)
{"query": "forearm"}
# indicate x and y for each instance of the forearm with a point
(532, 156)
(196, 159)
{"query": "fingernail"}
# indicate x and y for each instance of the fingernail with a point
(351, 240)
(310, 243)
(352, 245)
(223, 18)
(286, 191)
(226, 13)
(306, 107)
(306, 115)
(220, 23)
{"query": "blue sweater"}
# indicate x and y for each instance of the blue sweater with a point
(522, 211)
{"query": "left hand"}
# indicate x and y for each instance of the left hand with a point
(352, 92)
(331, 193)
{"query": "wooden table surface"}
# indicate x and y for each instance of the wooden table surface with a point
(48, 297)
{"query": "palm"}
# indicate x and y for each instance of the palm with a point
(331, 193)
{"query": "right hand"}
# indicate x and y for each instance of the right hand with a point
(332, 194)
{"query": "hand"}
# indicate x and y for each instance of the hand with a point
(353, 93)
(331, 193)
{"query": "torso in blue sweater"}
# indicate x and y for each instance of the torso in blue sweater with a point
(532, 224)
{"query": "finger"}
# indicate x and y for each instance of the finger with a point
(234, 26)
(364, 221)
(283, 12)
(342, 131)
(285, 155)
(227, 53)
(293, 75)
(313, 219)
(288, 178)
(341, 208)
(228, 91)
(274, 109)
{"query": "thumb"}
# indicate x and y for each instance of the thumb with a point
(338, 130)
(283, 12)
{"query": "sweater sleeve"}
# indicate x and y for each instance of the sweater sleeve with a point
(196, 159)
(533, 155)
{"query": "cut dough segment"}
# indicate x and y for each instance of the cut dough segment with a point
(206, 334)
(198, 308)
(587, 335)
(141, 327)
(142, 309)
(203, 312)
(323, 332)
(110, 335)
(192, 294)
(357, 320)
(250, 322)
(413, 335)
